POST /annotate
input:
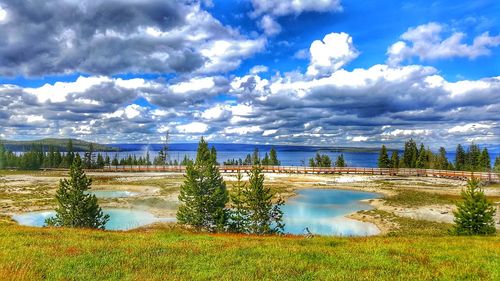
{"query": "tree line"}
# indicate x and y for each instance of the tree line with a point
(270, 159)
(323, 160)
(472, 159)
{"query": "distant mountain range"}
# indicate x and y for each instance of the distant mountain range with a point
(61, 144)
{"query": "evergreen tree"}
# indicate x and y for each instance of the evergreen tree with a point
(77, 208)
(496, 167)
(340, 161)
(203, 194)
(100, 161)
(383, 158)
(475, 215)
(273, 157)
(484, 160)
(264, 217)
(3, 157)
(213, 154)
(88, 158)
(320, 160)
(472, 158)
(115, 160)
(107, 160)
(410, 154)
(422, 159)
(248, 160)
(70, 154)
(395, 160)
(442, 160)
(460, 158)
(239, 213)
(266, 161)
(256, 156)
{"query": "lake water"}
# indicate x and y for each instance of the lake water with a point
(322, 211)
(113, 193)
(120, 219)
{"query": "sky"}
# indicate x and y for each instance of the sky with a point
(323, 72)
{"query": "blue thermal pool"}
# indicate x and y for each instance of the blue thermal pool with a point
(120, 219)
(323, 212)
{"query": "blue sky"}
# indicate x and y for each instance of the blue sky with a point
(328, 72)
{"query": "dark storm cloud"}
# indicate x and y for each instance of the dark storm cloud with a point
(109, 37)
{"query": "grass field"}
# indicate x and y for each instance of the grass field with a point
(170, 253)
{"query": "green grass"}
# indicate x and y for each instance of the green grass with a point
(169, 253)
(411, 198)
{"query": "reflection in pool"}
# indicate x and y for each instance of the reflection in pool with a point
(322, 211)
(112, 193)
(120, 219)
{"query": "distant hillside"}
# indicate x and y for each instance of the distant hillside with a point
(61, 144)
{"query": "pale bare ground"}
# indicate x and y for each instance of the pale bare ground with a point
(162, 201)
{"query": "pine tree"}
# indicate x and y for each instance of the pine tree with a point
(383, 158)
(274, 157)
(475, 215)
(256, 157)
(442, 160)
(100, 161)
(472, 158)
(410, 154)
(266, 161)
(239, 213)
(203, 194)
(3, 157)
(77, 208)
(70, 154)
(340, 161)
(460, 158)
(395, 160)
(115, 160)
(484, 160)
(264, 217)
(496, 167)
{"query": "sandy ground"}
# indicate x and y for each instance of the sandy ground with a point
(152, 199)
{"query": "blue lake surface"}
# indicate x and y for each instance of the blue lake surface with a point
(120, 219)
(322, 211)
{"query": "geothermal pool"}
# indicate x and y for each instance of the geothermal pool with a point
(322, 211)
(120, 219)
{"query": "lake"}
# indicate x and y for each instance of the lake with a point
(322, 211)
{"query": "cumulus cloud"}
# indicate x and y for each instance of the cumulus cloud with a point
(193, 128)
(119, 36)
(331, 53)
(427, 43)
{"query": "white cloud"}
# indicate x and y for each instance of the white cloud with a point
(331, 53)
(269, 132)
(407, 132)
(295, 7)
(215, 113)
(269, 25)
(426, 42)
(471, 127)
(242, 130)
(60, 90)
(193, 128)
(258, 69)
(359, 138)
(3, 14)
